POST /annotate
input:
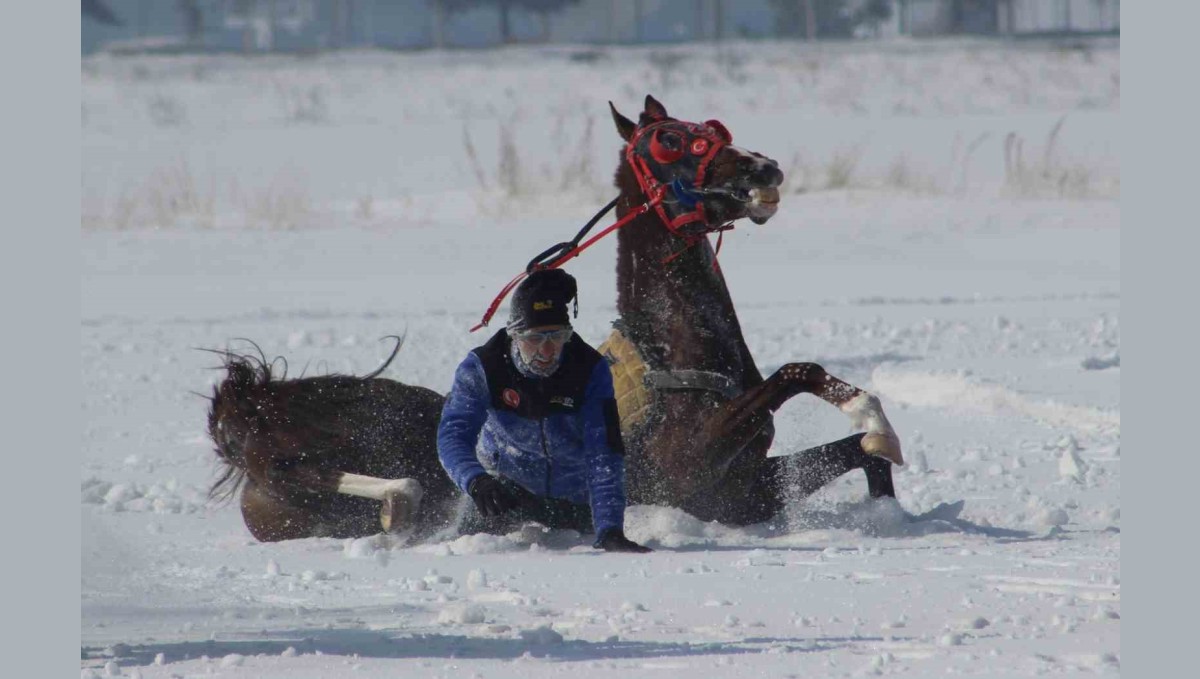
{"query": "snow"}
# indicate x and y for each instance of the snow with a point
(317, 205)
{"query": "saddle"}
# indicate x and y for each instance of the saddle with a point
(634, 382)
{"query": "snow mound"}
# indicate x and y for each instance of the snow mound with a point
(878, 517)
(159, 498)
(955, 390)
(480, 543)
(670, 527)
(470, 614)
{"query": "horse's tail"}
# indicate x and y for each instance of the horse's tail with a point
(232, 412)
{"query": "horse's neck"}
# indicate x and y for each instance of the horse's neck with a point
(681, 308)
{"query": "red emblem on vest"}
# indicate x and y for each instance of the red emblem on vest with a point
(511, 398)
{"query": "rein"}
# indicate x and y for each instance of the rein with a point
(568, 250)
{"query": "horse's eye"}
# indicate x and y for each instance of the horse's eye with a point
(666, 147)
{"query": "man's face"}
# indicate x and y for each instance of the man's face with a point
(542, 346)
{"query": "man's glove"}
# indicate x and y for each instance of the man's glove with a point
(614, 540)
(490, 496)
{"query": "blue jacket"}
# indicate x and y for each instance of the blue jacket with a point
(557, 437)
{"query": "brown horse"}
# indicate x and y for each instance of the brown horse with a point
(701, 443)
(342, 455)
(334, 455)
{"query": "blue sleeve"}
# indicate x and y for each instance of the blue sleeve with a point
(605, 457)
(463, 416)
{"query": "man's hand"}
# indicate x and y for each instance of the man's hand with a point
(490, 496)
(614, 540)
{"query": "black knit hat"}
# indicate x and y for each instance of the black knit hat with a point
(542, 299)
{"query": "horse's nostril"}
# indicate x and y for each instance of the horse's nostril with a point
(771, 175)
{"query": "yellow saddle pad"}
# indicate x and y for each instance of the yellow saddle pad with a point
(628, 373)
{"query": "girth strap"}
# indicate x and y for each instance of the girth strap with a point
(681, 380)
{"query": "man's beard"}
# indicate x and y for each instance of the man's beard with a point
(530, 369)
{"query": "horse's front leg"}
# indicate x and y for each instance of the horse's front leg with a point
(400, 498)
(863, 409)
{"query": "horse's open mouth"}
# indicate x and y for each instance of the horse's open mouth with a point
(763, 205)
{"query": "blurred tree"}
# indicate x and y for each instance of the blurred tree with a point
(193, 22)
(542, 8)
(871, 14)
(829, 18)
(98, 11)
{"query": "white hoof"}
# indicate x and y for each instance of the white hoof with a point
(881, 445)
(401, 499)
(866, 412)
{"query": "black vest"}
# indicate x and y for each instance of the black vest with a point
(531, 397)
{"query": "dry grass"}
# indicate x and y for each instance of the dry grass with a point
(1038, 173)
(172, 197)
(303, 103)
(904, 175)
(518, 178)
(166, 110)
(841, 168)
(283, 204)
(509, 175)
(365, 207)
(960, 158)
(1048, 175)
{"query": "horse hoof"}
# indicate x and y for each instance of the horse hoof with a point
(400, 502)
(887, 447)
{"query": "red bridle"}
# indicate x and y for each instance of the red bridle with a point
(662, 153)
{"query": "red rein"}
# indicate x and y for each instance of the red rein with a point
(633, 214)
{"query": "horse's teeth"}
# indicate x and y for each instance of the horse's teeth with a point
(761, 196)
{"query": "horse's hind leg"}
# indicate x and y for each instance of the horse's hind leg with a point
(756, 488)
(399, 498)
(863, 409)
(818, 466)
(734, 424)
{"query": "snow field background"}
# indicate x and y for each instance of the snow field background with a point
(317, 205)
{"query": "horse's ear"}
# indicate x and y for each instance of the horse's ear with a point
(625, 126)
(655, 109)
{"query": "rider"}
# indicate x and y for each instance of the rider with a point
(530, 428)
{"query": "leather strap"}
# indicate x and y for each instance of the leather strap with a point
(682, 380)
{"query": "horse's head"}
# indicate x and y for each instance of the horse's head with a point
(705, 181)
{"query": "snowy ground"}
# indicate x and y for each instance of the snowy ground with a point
(980, 300)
